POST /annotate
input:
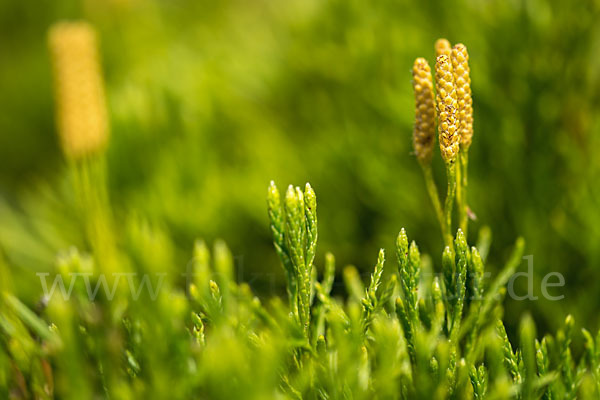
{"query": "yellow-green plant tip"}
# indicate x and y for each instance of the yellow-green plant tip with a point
(569, 321)
(460, 241)
(329, 258)
(413, 252)
(201, 271)
(299, 194)
(308, 190)
(223, 262)
(462, 79)
(436, 289)
(371, 302)
(329, 273)
(402, 247)
(424, 128)
(449, 271)
(354, 285)
(376, 277)
(201, 253)
(447, 252)
(476, 258)
(273, 193)
(310, 211)
(81, 113)
(402, 238)
(290, 198)
(447, 108)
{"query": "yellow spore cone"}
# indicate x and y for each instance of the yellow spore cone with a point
(447, 107)
(462, 79)
(79, 90)
(424, 129)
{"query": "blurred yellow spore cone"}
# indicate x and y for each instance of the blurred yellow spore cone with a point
(79, 89)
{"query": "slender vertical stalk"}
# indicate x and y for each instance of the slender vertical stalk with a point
(435, 198)
(463, 167)
(90, 185)
(450, 195)
(460, 200)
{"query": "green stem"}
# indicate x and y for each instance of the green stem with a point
(464, 217)
(460, 200)
(435, 198)
(451, 193)
(90, 186)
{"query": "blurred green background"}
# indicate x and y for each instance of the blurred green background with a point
(210, 100)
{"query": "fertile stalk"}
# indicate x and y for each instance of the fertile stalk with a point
(424, 131)
(82, 124)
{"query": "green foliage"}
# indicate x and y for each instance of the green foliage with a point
(403, 336)
(294, 227)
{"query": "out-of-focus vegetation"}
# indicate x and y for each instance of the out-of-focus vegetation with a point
(210, 100)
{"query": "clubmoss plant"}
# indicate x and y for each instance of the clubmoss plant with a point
(83, 128)
(401, 334)
(454, 106)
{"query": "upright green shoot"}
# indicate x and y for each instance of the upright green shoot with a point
(294, 230)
